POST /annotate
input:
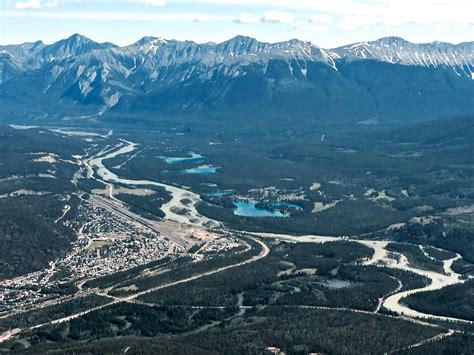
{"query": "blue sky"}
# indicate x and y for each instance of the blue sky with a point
(328, 23)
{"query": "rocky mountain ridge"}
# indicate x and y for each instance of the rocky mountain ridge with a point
(169, 76)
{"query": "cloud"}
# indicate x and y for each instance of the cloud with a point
(317, 23)
(53, 3)
(113, 16)
(270, 16)
(321, 19)
(152, 2)
(201, 18)
(386, 12)
(30, 4)
(246, 18)
(310, 26)
(35, 4)
(394, 14)
(350, 23)
(274, 16)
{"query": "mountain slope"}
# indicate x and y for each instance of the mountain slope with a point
(389, 80)
(395, 50)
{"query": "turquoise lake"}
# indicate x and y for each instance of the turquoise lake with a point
(248, 209)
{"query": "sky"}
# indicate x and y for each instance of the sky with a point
(327, 23)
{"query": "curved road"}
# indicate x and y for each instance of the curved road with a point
(392, 303)
(263, 253)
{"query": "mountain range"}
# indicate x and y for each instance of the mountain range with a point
(389, 80)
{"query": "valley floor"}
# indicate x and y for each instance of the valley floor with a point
(187, 249)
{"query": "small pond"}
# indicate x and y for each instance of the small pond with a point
(202, 169)
(192, 157)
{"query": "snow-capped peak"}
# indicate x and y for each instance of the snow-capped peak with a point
(396, 50)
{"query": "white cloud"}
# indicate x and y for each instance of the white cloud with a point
(152, 2)
(35, 4)
(316, 23)
(52, 3)
(201, 18)
(309, 26)
(323, 6)
(274, 16)
(350, 23)
(30, 4)
(394, 13)
(321, 19)
(246, 18)
(112, 16)
(270, 16)
(387, 12)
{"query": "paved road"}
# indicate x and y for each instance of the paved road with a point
(263, 253)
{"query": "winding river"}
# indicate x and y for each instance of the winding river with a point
(177, 209)
(180, 212)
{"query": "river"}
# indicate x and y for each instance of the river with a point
(380, 256)
(177, 209)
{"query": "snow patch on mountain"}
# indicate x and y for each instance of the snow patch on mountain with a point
(396, 50)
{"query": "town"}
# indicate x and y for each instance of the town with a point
(107, 242)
